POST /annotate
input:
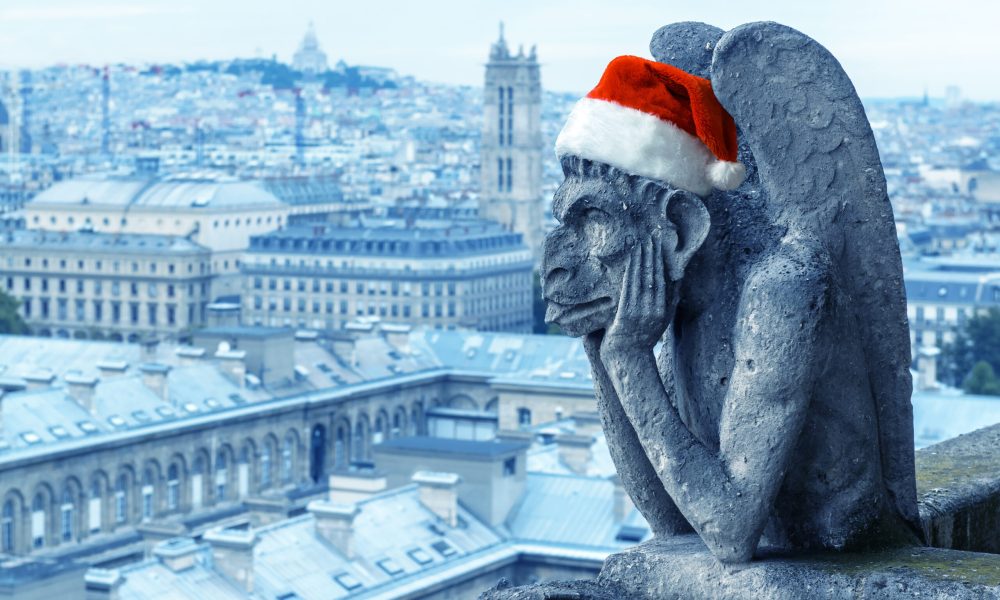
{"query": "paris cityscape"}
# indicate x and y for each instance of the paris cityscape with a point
(272, 327)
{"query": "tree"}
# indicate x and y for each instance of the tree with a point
(982, 380)
(10, 321)
(978, 341)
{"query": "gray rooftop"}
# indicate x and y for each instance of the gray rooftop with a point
(199, 191)
(85, 241)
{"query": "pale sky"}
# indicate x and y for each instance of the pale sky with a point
(888, 47)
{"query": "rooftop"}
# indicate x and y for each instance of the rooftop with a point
(86, 241)
(197, 191)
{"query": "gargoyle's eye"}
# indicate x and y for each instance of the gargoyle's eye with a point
(598, 227)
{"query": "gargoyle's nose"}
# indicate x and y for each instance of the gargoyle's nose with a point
(556, 278)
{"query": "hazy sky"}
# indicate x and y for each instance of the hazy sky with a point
(889, 47)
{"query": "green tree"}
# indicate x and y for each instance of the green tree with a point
(982, 380)
(978, 341)
(10, 321)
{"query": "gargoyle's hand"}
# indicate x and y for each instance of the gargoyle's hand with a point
(643, 314)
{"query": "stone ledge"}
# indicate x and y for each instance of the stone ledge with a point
(958, 487)
(682, 567)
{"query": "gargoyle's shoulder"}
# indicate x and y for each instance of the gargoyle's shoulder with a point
(802, 262)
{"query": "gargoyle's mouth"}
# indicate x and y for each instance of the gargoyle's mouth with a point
(556, 313)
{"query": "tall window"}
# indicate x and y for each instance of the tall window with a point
(38, 521)
(221, 472)
(500, 175)
(95, 508)
(287, 457)
(7, 527)
(524, 417)
(500, 128)
(148, 483)
(173, 488)
(509, 171)
(66, 514)
(197, 484)
(510, 116)
(121, 499)
(265, 465)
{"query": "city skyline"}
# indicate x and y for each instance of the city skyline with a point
(895, 49)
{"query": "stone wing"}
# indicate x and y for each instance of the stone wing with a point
(817, 161)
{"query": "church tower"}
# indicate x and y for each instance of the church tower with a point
(511, 148)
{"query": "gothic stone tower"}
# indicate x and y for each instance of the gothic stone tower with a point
(511, 151)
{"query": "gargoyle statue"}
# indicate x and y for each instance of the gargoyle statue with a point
(778, 403)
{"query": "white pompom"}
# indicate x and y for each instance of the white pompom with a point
(726, 175)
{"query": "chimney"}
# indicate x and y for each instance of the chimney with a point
(232, 554)
(176, 554)
(110, 367)
(81, 388)
(439, 494)
(586, 422)
(348, 487)
(149, 347)
(232, 364)
(575, 451)
(39, 379)
(623, 503)
(102, 584)
(189, 355)
(927, 367)
(396, 335)
(154, 376)
(335, 524)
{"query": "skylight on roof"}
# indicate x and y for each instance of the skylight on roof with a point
(390, 566)
(347, 581)
(212, 403)
(444, 548)
(117, 421)
(141, 416)
(165, 411)
(31, 438)
(420, 556)
(87, 427)
(59, 432)
(191, 407)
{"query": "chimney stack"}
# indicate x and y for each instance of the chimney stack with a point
(37, 380)
(102, 584)
(81, 388)
(575, 451)
(232, 362)
(189, 355)
(348, 487)
(154, 376)
(177, 554)
(149, 347)
(232, 554)
(439, 494)
(335, 524)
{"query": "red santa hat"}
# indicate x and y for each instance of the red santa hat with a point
(657, 121)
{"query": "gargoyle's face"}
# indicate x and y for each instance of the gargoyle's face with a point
(586, 256)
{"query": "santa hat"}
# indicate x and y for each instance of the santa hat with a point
(657, 121)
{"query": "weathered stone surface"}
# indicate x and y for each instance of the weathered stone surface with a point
(958, 483)
(683, 568)
(778, 406)
(555, 590)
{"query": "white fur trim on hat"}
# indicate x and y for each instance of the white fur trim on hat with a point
(641, 144)
(726, 175)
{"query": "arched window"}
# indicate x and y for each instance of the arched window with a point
(96, 506)
(524, 417)
(197, 481)
(243, 470)
(379, 434)
(340, 446)
(121, 499)
(7, 527)
(67, 513)
(287, 458)
(148, 489)
(173, 487)
(265, 465)
(221, 473)
(38, 521)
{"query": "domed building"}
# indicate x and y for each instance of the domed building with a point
(310, 58)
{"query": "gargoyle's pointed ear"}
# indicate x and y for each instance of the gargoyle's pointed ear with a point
(690, 219)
